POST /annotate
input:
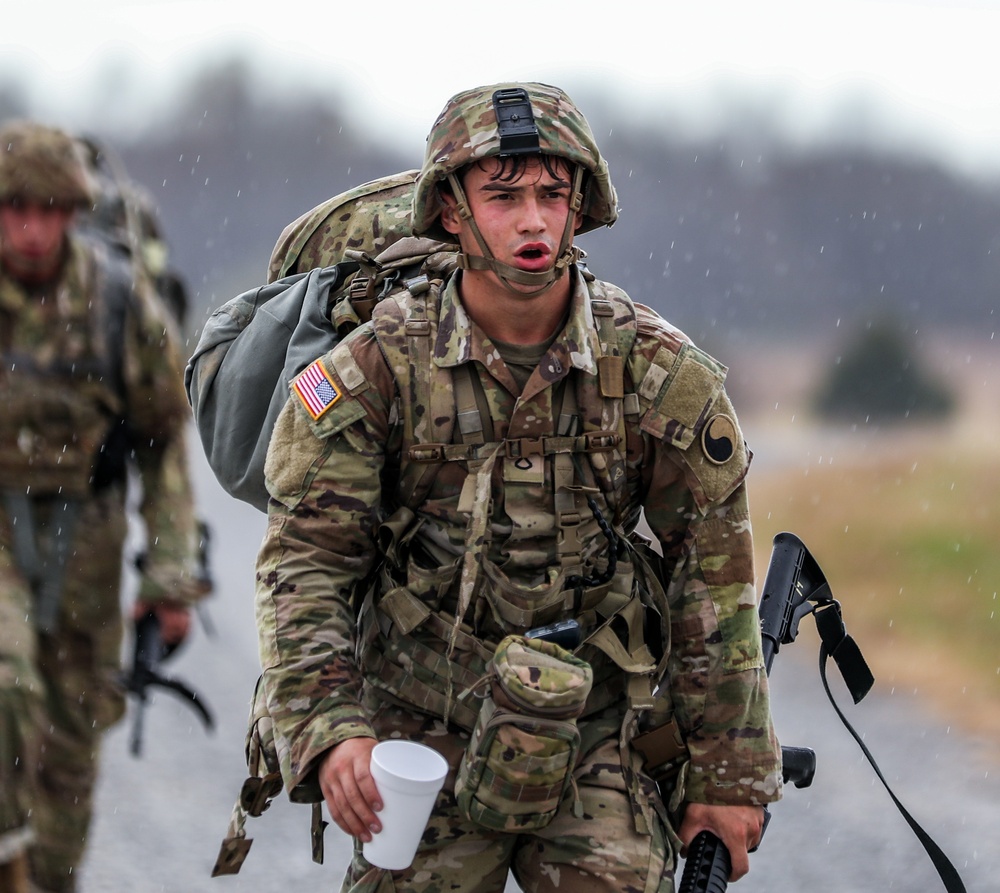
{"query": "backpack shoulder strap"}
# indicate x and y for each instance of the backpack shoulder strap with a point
(404, 329)
(113, 296)
(408, 263)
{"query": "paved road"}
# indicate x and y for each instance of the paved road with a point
(160, 818)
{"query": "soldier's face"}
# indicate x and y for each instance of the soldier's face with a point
(32, 237)
(521, 218)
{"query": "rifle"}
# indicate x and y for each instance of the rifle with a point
(794, 587)
(150, 652)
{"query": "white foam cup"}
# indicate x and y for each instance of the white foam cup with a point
(408, 777)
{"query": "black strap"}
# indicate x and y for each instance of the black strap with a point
(843, 649)
(845, 652)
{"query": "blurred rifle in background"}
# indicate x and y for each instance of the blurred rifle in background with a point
(151, 651)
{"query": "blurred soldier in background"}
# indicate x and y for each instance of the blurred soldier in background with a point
(90, 386)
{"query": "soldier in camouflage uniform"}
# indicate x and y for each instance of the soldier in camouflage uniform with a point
(471, 464)
(89, 385)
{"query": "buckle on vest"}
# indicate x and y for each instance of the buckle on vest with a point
(601, 441)
(417, 327)
(427, 452)
(524, 447)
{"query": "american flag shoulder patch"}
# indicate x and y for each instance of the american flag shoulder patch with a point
(315, 388)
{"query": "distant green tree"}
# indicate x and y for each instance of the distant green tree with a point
(879, 378)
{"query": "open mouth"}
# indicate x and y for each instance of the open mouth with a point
(534, 255)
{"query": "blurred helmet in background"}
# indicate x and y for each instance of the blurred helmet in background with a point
(43, 165)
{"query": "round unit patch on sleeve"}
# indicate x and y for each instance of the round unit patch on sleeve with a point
(315, 388)
(718, 439)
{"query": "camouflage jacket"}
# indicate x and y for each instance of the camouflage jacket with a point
(334, 479)
(86, 358)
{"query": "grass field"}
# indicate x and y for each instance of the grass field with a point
(905, 524)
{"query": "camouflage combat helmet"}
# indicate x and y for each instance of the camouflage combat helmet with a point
(42, 164)
(505, 120)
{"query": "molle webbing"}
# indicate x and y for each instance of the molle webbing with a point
(453, 399)
(445, 418)
(520, 609)
(515, 448)
(418, 674)
(455, 426)
(403, 654)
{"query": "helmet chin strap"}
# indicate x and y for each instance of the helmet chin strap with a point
(567, 255)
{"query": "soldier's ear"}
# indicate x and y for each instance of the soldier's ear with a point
(451, 220)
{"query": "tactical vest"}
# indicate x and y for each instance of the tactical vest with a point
(62, 434)
(427, 633)
(61, 392)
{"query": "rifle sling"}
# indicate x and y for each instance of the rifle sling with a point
(845, 652)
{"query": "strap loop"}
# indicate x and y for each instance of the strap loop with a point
(844, 650)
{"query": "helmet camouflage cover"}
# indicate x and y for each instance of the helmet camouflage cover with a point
(42, 164)
(467, 131)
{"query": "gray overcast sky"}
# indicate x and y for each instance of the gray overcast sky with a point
(925, 70)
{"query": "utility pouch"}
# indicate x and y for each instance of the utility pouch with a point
(526, 744)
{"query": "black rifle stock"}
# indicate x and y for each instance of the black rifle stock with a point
(793, 587)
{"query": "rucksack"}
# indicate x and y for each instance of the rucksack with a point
(255, 344)
(294, 321)
(367, 218)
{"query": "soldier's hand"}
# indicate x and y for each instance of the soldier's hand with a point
(174, 618)
(738, 827)
(346, 781)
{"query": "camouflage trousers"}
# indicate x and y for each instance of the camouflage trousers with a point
(58, 693)
(599, 852)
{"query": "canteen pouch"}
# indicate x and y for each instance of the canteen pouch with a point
(525, 744)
